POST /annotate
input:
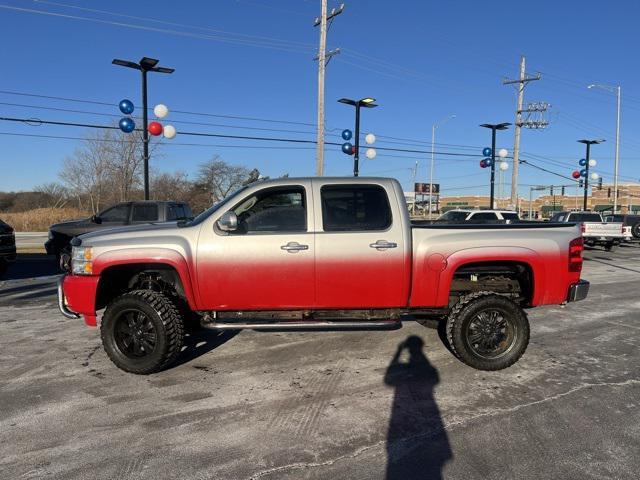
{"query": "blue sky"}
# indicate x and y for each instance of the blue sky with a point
(422, 60)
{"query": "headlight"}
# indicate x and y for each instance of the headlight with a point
(81, 260)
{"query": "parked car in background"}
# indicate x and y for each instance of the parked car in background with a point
(7, 247)
(595, 231)
(119, 215)
(630, 222)
(479, 216)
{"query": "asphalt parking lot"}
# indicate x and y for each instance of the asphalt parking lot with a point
(325, 405)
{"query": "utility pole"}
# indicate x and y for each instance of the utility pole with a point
(323, 58)
(521, 82)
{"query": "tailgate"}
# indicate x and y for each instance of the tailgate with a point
(594, 229)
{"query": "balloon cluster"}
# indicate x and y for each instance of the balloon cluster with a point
(350, 149)
(488, 161)
(583, 172)
(127, 125)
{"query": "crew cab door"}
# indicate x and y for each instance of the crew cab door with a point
(268, 263)
(362, 249)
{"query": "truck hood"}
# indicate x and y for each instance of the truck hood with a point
(129, 231)
(73, 228)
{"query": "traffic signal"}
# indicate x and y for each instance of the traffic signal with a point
(600, 183)
(551, 190)
(609, 192)
(562, 191)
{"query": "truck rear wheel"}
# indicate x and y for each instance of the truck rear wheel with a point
(142, 332)
(487, 331)
(610, 246)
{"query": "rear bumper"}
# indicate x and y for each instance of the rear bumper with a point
(578, 291)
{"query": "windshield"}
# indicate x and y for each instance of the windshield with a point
(455, 215)
(585, 217)
(204, 215)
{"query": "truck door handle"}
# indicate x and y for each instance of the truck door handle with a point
(293, 247)
(382, 244)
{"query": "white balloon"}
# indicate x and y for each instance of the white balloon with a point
(371, 153)
(370, 138)
(160, 110)
(502, 153)
(594, 176)
(592, 162)
(169, 131)
(504, 166)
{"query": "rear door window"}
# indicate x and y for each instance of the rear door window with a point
(347, 208)
(145, 212)
(483, 216)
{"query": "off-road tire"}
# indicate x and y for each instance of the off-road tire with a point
(167, 324)
(464, 312)
(635, 230)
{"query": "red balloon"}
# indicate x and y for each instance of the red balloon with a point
(575, 174)
(155, 128)
(483, 164)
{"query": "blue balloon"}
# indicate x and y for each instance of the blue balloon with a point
(127, 125)
(486, 151)
(583, 162)
(488, 162)
(347, 148)
(346, 134)
(126, 106)
(583, 172)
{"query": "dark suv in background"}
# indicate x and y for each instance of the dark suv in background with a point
(121, 214)
(7, 246)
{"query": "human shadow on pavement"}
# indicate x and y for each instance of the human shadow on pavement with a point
(417, 443)
(202, 341)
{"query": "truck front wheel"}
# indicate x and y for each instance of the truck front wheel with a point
(142, 332)
(487, 331)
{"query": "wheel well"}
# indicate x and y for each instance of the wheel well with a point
(119, 279)
(512, 278)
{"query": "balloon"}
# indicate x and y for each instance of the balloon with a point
(504, 166)
(160, 110)
(575, 174)
(502, 153)
(582, 162)
(346, 134)
(594, 176)
(126, 106)
(583, 172)
(370, 138)
(347, 148)
(488, 162)
(127, 125)
(371, 153)
(483, 163)
(155, 129)
(592, 162)
(169, 131)
(486, 151)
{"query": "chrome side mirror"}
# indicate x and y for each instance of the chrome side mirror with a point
(228, 222)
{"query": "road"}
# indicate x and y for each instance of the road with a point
(325, 405)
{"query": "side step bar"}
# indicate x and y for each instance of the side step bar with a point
(306, 325)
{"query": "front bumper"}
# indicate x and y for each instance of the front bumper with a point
(578, 291)
(77, 297)
(62, 303)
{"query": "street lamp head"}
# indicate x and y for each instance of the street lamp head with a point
(592, 142)
(348, 101)
(125, 63)
(147, 63)
(498, 126)
(367, 100)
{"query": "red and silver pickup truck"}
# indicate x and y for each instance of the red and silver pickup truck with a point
(319, 253)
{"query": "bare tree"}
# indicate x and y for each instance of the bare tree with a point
(171, 186)
(218, 178)
(56, 192)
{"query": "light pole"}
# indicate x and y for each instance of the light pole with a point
(494, 127)
(366, 102)
(145, 65)
(588, 143)
(618, 91)
(433, 155)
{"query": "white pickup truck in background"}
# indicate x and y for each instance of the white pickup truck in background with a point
(595, 231)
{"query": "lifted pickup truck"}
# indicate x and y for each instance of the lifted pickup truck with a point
(595, 231)
(319, 253)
